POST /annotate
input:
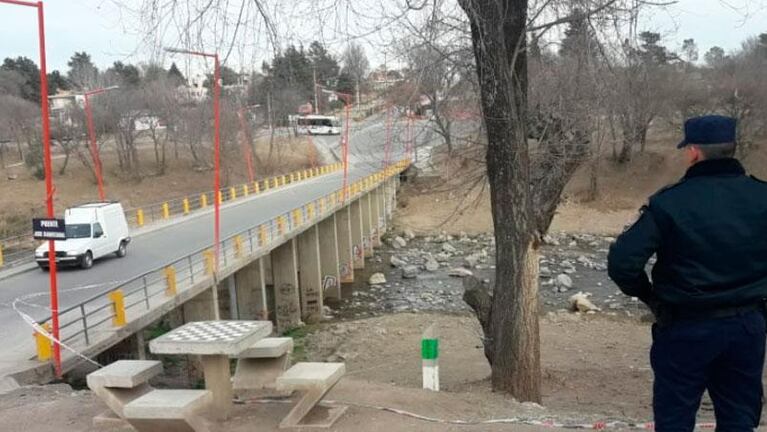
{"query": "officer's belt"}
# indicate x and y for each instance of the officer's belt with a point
(676, 313)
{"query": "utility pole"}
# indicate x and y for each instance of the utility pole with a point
(316, 104)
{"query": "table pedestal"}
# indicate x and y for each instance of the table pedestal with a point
(218, 381)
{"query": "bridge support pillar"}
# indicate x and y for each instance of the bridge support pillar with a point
(345, 245)
(367, 225)
(329, 261)
(285, 275)
(203, 307)
(251, 291)
(310, 276)
(375, 216)
(358, 251)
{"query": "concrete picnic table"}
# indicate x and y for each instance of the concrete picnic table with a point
(215, 342)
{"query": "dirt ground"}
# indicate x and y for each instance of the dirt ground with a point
(22, 196)
(446, 203)
(382, 357)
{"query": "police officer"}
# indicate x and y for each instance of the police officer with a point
(709, 232)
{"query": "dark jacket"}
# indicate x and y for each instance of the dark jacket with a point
(709, 232)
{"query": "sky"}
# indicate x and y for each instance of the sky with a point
(96, 26)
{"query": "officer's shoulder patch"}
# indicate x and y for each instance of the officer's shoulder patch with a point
(758, 179)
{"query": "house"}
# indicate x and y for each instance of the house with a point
(61, 105)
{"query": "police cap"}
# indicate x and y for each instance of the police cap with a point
(711, 129)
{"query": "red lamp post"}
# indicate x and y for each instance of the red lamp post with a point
(246, 150)
(49, 190)
(92, 135)
(345, 140)
(216, 146)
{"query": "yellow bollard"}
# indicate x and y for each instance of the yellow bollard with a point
(118, 307)
(165, 211)
(220, 197)
(280, 224)
(186, 206)
(296, 217)
(232, 193)
(310, 211)
(322, 205)
(43, 344)
(276, 182)
(140, 217)
(2, 260)
(292, 177)
(238, 246)
(262, 235)
(203, 200)
(284, 180)
(245, 191)
(170, 278)
(256, 189)
(209, 264)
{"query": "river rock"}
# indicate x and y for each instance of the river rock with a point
(397, 262)
(398, 242)
(460, 272)
(431, 264)
(408, 234)
(564, 280)
(377, 279)
(580, 303)
(409, 272)
(448, 248)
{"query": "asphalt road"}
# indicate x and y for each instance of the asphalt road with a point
(156, 248)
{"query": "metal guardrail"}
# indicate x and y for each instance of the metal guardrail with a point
(83, 322)
(17, 250)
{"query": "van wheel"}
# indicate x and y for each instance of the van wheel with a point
(43, 267)
(122, 250)
(86, 261)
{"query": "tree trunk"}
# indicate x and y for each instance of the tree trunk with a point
(499, 40)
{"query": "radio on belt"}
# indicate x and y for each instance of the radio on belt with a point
(49, 229)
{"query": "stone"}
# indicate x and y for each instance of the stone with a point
(398, 242)
(564, 280)
(442, 257)
(580, 303)
(448, 248)
(471, 261)
(408, 234)
(545, 271)
(377, 279)
(397, 262)
(460, 272)
(431, 265)
(409, 272)
(549, 240)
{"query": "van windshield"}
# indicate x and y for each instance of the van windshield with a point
(78, 231)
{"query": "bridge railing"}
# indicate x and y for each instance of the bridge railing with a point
(19, 249)
(86, 322)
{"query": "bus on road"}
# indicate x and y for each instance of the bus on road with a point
(318, 125)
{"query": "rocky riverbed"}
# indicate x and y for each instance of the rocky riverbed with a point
(418, 274)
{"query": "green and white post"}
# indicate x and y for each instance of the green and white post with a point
(430, 358)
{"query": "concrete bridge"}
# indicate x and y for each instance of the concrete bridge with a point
(283, 252)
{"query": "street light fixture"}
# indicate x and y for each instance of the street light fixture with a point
(216, 145)
(92, 134)
(49, 191)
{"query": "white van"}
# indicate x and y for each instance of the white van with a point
(93, 231)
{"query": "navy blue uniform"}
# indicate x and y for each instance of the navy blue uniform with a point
(709, 232)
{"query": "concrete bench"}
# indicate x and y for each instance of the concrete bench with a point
(259, 366)
(314, 380)
(122, 382)
(169, 411)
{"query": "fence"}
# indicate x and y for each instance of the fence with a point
(83, 323)
(17, 250)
